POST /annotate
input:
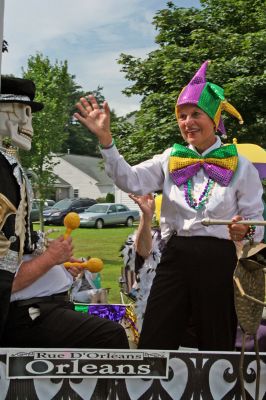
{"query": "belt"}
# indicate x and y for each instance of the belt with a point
(55, 298)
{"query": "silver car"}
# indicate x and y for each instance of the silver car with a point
(102, 214)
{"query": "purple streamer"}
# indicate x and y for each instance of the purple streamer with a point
(109, 311)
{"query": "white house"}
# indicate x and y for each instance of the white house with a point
(122, 197)
(81, 176)
(84, 176)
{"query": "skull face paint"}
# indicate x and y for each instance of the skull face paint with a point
(16, 123)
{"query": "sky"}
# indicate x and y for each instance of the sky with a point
(89, 34)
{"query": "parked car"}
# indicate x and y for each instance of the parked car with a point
(56, 214)
(102, 214)
(35, 210)
(48, 203)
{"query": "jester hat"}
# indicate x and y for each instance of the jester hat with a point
(207, 96)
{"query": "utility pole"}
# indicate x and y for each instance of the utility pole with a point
(2, 8)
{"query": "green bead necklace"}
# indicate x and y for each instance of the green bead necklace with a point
(197, 204)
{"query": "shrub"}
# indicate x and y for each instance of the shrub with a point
(110, 198)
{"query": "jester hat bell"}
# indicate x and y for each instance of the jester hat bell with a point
(207, 96)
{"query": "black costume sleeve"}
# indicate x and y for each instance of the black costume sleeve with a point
(10, 188)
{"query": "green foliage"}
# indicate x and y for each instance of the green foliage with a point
(101, 200)
(56, 88)
(110, 198)
(79, 140)
(55, 130)
(53, 88)
(232, 34)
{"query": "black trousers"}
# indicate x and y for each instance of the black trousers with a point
(194, 281)
(60, 326)
(6, 280)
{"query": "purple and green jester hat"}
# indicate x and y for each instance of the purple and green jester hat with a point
(209, 97)
(219, 164)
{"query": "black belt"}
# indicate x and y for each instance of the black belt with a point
(55, 298)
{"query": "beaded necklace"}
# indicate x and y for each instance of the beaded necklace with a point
(197, 204)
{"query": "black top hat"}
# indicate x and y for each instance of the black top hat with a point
(18, 90)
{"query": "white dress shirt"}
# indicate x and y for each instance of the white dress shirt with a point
(242, 197)
(56, 280)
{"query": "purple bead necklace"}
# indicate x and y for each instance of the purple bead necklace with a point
(197, 204)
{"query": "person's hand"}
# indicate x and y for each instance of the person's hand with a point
(96, 119)
(46, 239)
(59, 250)
(146, 203)
(75, 271)
(237, 232)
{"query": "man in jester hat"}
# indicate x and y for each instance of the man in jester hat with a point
(201, 180)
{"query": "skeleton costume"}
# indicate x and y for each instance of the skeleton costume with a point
(31, 318)
(16, 105)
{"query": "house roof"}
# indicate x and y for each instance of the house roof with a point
(92, 166)
(60, 182)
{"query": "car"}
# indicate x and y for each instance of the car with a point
(56, 214)
(102, 214)
(48, 203)
(35, 209)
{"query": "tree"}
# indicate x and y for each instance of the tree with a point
(79, 140)
(232, 34)
(54, 87)
(55, 130)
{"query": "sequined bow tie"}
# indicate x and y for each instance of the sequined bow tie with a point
(219, 164)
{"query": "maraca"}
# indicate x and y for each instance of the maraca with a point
(93, 264)
(71, 221)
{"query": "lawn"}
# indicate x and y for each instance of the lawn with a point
(103, 243)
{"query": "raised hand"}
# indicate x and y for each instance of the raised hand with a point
(146, 203)
(96, 119)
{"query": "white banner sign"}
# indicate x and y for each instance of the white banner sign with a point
(87, 364)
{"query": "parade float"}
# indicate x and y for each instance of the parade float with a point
(137, 374)
(51, 373)
(96, 374)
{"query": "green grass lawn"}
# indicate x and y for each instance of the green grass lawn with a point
(102, 243)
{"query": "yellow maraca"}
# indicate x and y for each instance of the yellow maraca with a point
(93, 264)
(71, 221)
